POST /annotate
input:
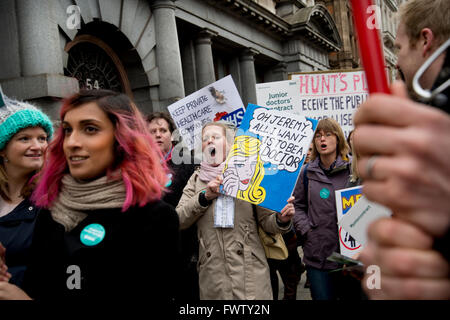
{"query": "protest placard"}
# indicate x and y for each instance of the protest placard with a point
(218, 101)
(345, 200)
(264, 162)
(331, 94)
(279, 95)
(357, 220)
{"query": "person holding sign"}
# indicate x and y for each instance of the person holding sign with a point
(404, 147)
(24, 134)
(232, 263)
(315, 207)
(100, 190)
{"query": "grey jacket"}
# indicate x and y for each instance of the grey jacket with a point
(315, 212)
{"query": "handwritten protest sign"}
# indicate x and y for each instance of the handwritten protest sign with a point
(332, 95)
(357, 220)
(265, 160)
(345, 200)
(217, 101)
(279, 95)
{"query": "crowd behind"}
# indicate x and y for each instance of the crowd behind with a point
(101, 206)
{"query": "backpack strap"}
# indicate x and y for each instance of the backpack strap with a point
(306, 181)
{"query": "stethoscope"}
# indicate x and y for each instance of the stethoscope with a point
(435, 97)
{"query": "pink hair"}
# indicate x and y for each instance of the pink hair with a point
(143, 174)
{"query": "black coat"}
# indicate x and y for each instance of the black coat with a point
(16, 232)
(188, 288)
(137, 258)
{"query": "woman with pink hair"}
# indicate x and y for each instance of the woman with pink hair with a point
(100, 191)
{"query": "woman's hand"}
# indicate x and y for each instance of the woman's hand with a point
(213, 189)
(10, 291)
(4, 274)
(287, 213)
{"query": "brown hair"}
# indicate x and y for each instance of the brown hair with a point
(4, 183)
(162, 115)
(419, 14)
(331, 125)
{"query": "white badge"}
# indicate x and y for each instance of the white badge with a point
(224, 212)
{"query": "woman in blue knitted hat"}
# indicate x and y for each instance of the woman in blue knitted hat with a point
(24, 133)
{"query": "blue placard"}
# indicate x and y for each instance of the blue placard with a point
(264, 162)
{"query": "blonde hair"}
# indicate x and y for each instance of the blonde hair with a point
(419, 14)
(331, 125)
(354, 175)
(248, 146)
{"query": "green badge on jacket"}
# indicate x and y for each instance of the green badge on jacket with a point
(92, 234)
(324, 193)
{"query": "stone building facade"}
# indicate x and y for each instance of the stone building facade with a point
(157, 51)
(348, 56)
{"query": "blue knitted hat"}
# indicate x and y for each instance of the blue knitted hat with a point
(17, 115)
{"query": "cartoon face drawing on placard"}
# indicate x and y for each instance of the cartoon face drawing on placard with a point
(244, 171)
(245, 168)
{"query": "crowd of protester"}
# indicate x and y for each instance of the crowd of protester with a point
(105, 196)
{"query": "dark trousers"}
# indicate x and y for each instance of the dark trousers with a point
(290, 270)
(333, 286)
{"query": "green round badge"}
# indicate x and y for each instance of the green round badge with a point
(324, 193)
(92, 234)
(169, 180)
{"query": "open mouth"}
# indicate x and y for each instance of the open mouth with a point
(246, 181)
(212, 152)
(323, 145)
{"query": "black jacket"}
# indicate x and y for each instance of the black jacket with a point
(188, 288)
(136, 260)
(16, 232)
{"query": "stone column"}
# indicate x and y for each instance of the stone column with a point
(38, 38)
(38, 75)
(171, 85)
(204, 58)
(248, 75)
(280, 72)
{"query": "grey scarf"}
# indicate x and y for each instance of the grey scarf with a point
(76, 199)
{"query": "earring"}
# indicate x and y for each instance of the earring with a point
(5, 160)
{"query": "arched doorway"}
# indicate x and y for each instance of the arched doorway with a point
(95, 65)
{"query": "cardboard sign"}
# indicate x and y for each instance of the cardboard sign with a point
(279, 95)
(264, 162)
(360, 216)
(217, 101)
(334, 95)
(345, 200)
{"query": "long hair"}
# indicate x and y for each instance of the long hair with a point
(4, 183)
(331, 125)
(142, 172)
(246, 146)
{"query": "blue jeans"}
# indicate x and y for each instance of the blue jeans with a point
(322, 284)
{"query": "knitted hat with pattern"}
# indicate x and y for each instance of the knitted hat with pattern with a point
(17, 115)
